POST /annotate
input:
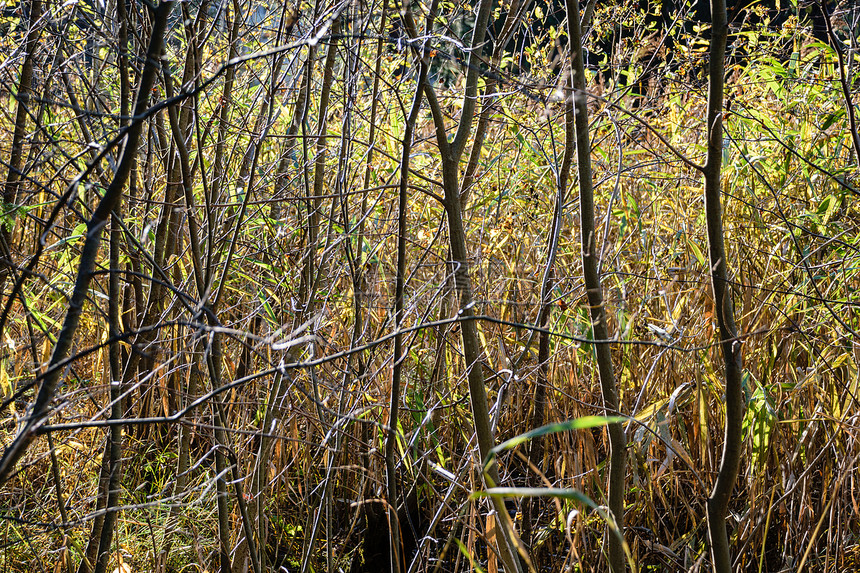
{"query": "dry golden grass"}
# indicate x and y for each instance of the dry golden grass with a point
(792, 234)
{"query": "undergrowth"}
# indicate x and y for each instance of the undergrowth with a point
(791, 218)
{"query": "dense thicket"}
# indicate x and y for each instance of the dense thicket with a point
(280, 283)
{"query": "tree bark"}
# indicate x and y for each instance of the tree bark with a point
(594, 290)
(450, 154)
(730, 345)
(399, 355)
(22, 97)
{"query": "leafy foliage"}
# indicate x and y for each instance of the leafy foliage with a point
(306, 287)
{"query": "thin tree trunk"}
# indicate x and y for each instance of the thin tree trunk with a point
(594, 290)
(450, 154)
(114, 448)
(182, 162)
(22, 97)
(730, 345)
(167, 234)
(312, 273)
(399, 355)
(91, 553)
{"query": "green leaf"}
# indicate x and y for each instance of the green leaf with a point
(562, 493)
(697, 252)
(583, 423)
(831, 119)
